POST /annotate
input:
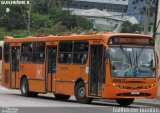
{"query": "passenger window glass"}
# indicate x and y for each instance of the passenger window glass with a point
(39, 52)
(65, 52)
(6, 52)
(26, 54)
(80, 53)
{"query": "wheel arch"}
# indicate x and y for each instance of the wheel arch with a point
(23, 76)
(77, 81)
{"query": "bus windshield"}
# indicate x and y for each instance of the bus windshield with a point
(132, 62)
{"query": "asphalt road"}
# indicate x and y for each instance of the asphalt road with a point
(46, 103)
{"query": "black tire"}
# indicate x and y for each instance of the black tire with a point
(62, 97)
(24, 87)
(33, 94)
(125, 101)
(80, 93)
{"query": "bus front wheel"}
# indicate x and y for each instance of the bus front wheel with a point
(125, 101)
(62, 97)
(80, 93)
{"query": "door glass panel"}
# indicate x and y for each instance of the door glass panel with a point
(51, 59)
(6, 52)
(96, 69)
(51, 67)
(15, 58)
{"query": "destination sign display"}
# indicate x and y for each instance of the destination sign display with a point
(131, 40)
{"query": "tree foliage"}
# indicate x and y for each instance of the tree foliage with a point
(128, 27)
(46, 15)
(12, 20)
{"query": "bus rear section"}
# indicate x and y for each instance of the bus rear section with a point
(112, 66)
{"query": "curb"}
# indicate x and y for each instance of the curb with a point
(148, 104)
(151, 104)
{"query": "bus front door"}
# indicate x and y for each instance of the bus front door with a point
(96, 70)
(15, 52)
(51, 68)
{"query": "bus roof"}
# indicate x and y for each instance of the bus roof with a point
(102, 36)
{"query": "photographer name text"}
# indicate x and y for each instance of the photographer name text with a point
(14, 2)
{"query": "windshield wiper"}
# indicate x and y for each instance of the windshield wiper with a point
(128, 58)
(141, 52)
(135, 56)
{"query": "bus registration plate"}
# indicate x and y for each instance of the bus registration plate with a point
(135, 93)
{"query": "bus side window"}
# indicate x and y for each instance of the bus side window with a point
(39, 52)
(26, 52)
(80, 53)
(6, 52)
(65, 52)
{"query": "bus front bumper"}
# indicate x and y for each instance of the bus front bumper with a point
(115, 92)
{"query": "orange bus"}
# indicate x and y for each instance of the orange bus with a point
(113, 66)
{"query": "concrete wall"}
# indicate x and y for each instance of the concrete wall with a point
(106, 24)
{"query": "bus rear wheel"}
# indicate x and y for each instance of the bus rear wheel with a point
(62, 97)
(24, 87)
(125, 101)
(80, 93)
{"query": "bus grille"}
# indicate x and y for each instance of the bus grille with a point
(129, 94)
(139, 87)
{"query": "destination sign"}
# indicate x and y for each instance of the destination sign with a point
(131, 41)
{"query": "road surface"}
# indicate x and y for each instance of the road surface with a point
(46, 103)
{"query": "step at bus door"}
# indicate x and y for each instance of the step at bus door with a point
(15, 53)
(51, 68)
(96, 70)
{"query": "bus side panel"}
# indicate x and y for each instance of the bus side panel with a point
(66, 77)
(37, 85)
(36, 76)
(64, 80)
(81, 71)
(6, 69)
(66, 88)
(5, 75)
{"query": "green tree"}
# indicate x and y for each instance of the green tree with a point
(40, 21)
(14, 18)
(46, 16)
(128, 27)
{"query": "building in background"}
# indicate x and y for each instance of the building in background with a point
(106, 15)
(109, 5)
(103, 20)
(140, 8)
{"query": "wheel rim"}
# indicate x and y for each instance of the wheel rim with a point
(82, 92)
(24, 86)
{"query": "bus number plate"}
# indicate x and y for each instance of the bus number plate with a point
(135, 93)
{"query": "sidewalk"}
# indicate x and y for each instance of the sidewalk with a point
(148, 102)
